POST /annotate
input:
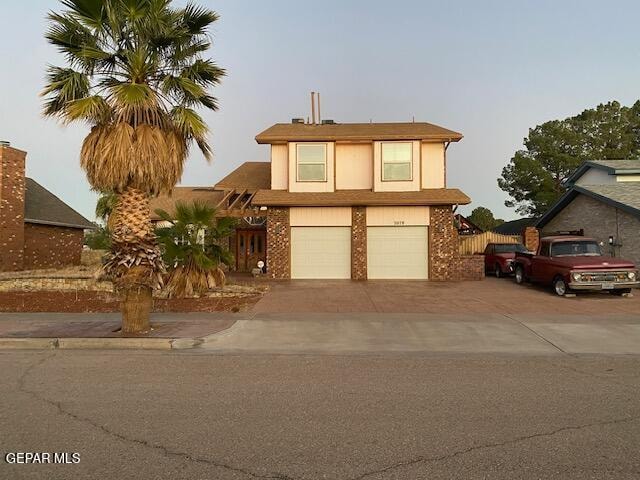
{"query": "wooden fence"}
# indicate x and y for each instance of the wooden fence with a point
(470, 244)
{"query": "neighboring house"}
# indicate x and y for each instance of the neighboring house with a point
(515, 227)
(603, 200)
(354, 200)
(465, 226)
(37, 229)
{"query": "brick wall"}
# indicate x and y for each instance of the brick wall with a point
(359, 243)
(445, 261)
(599, 220)
(11, 208)
(48, 246)
(278, 243)
(531, 238)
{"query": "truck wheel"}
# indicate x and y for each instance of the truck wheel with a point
(519, 274)
(560, 286)
(498, 271)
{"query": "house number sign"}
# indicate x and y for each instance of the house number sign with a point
(398, 223)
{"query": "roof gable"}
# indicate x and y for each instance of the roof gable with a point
(625, 196)
(43, 207)
(612, 167)
(288, 132)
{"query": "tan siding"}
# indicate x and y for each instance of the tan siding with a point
(354, 166)
(408, 186)
(279, 167)
(328, 186)
(395, 216)
(627, 178)
(320, 216)
(433, 165)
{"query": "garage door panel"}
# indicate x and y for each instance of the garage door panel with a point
(320, 252)
(397, 252)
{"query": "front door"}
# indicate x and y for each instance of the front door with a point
(250, 249)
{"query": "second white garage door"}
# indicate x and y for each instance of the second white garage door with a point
(397, 252)
(320, 252)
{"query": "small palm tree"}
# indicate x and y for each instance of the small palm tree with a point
(106, 207)
(136, 74)
(193, 250)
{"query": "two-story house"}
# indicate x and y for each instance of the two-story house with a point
(349, 201)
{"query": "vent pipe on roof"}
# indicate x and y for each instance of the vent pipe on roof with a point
(319, 118)
(313, 108)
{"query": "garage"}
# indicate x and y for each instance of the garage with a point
(321, 252)
(397, 252)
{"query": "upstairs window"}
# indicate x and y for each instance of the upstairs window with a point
(312, 162)
(397, 158)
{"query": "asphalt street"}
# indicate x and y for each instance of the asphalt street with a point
(189, 415)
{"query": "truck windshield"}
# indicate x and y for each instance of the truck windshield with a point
(575, 249)
(509, 248)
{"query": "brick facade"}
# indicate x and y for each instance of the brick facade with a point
(278, 243)
(48, 246)
(359, 243)
(445, 261)
(599, 221)
(531, 238)
(11, 208)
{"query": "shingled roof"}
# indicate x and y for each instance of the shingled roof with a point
(344, 198)
(612, 167)
(206, 195)
(303, 132)
(623, 195)
(252, 176)
(43, 207)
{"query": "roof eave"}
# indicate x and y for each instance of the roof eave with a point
(59, 224)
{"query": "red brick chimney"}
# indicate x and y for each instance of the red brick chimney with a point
(11, 207)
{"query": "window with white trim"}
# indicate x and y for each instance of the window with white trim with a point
(311, 162)
(397, 161)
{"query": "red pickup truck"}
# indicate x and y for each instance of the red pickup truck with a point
(575, 263)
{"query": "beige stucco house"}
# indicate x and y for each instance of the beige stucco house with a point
(348, 201)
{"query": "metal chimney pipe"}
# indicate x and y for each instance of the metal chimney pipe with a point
(319, 117)
(313, 108)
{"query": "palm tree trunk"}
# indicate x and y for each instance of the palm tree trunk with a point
(135, 263)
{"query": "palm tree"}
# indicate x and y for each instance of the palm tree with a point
(105, 209)
(193, 248)
(136, 74)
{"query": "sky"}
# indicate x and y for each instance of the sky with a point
(490, 69)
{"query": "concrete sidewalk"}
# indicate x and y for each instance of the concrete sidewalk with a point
(429, 333)
(101, 330)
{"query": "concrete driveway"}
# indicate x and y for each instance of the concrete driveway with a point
(491, 295)
(492, 316)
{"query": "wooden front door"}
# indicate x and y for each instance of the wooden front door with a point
(250, 249)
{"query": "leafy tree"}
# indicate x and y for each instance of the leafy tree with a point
(136, 73)
(483, 218)
(534, 177)
(98, 239)
(193, 248)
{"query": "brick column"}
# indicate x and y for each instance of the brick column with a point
(359, 243)
(278, 242)
(443, 244)
(11, 208)
(531, 238)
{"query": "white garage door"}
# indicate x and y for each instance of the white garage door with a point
(397, 252)
(320, 252)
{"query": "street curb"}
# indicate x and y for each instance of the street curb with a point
(99, 343)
